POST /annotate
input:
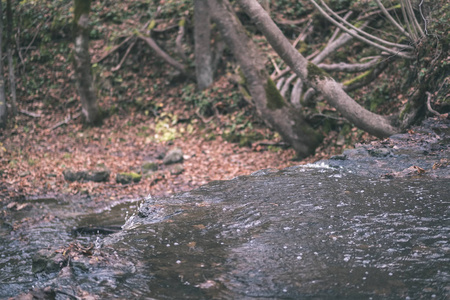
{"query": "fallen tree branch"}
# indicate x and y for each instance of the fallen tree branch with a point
(354, 32)
(349, 68)
(390, 18)
(178, 40)
(429, 104)
(113, 50)
(372, 123)
(125, 56)
(29, 113)
(166, 57)
(65, 121)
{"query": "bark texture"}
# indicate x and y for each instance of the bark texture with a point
(3, 111)
(82, 62)
(316, 77)
(12, 77)
(202, 36)
(269, 103)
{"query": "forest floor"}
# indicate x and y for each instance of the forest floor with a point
(35, 152)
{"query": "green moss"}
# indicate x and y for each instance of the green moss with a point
(315, 73)
(357, 78)
(405, 110)
(135, 177)
(81, 7)
(274, 98)
(182, 22)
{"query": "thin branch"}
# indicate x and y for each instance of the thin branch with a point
(178, 40)
(285, 87)
(358, 30)
(125, 56)
(113, 49)
(390, 18)
(425, 21)
(350, 68)
(65, 121)
(338, 30)
(361, 38)
(166, 57)
(29, 113)
(412, 16)
(296, 93)
(429, 104)
(409, 26)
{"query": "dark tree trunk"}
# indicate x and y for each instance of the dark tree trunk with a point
(202, 35)
(269, 103)
(82, 62)
(3, 110)
(12, 77)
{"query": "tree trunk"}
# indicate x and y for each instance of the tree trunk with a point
(316, 77)
(12, 77)
(82, 62)
(202, 36)
(3, 111)
(269, 103)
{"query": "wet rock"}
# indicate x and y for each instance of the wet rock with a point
(47, 261)
(173, 156)
(126, 178)
(37, 294)
(381, 152)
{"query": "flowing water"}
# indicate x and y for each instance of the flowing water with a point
(301, 233)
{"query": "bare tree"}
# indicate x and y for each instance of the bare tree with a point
(82, 62)
(3, 110)
(270, 105)
(317, 78)
(202, 36)
(12, 78)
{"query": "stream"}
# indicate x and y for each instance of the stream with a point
(330, 230)
(304, 232)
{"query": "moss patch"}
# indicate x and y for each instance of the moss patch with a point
(315, 73)
(126, 178)
(274, 98)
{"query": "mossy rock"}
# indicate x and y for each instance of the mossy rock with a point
(72, 176)
(127, 178)
(98, 175)
(149, 166)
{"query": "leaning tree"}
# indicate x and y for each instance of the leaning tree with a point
(308, 78)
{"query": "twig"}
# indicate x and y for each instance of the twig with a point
(166, 57)
(125, 56)
(429, 104)
(178, 40)
(349, 68)
(296, 93)
(113, 49)
(277, 69)
(337, 30)
(354, 32)
(285, 87)
(65, 121)
(305, 32)
(390, 18)
(29, 113)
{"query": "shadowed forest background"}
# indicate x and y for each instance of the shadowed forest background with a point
(149, 99)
